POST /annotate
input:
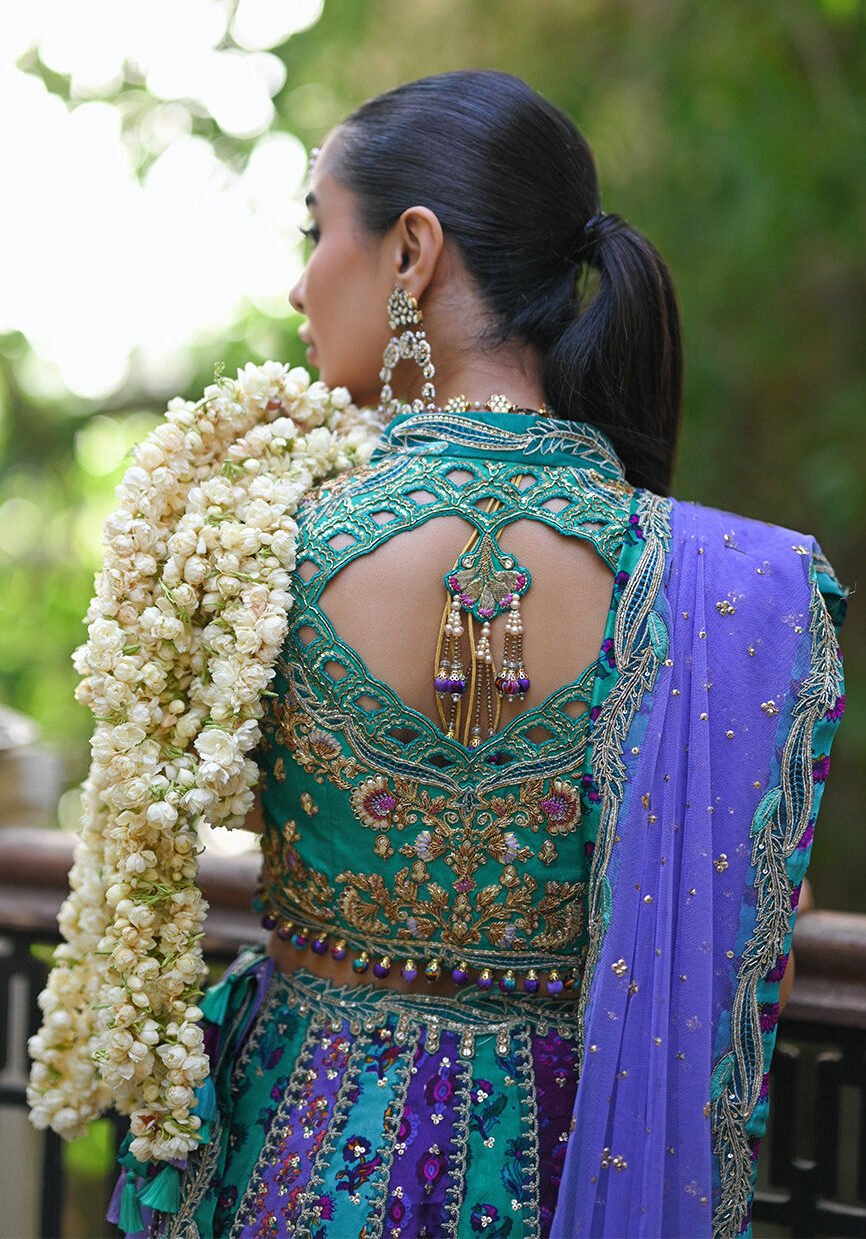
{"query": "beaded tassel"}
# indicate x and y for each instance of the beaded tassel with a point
(485, 583)
(450, 681)
(485, 676)
(513, 683)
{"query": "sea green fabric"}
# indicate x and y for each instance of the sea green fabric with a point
(349, 1111)
(380, 829)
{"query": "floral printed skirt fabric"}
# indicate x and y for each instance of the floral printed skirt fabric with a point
(362, 1112)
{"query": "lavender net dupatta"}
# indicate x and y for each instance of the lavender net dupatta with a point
(704, 753)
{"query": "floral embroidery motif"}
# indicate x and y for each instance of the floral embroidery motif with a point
(836, 710)
(589, 787)
(316, 751)
(820, 768)
(561, 808)
(361, 1162)
(485, 580)
(485, 1220)
(421, 909)
(283, 867)
(376, 805)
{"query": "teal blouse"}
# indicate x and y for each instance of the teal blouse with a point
(385, 839)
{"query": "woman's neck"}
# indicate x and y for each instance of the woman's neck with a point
(456, 323)
(512, 371)
(490, 374)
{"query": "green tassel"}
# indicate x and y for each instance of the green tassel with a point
(215, 1002)
(163, 1191)
(129, 1218)
(206, 1094)
(127, 1161)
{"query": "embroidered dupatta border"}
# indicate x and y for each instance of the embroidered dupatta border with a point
(777, 858)
(779, 824)
(640, 646)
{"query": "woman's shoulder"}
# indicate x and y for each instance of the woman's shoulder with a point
(736, 548)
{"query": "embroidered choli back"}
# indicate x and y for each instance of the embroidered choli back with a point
(386, 838)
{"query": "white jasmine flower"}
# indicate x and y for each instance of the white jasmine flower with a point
(187, 540)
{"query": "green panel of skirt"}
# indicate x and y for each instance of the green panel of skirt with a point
(351, 1111)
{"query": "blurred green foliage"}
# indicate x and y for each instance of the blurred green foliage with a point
(732, 134)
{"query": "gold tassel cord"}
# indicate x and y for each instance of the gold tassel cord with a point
(454, 721)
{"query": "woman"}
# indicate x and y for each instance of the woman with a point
(541, 772)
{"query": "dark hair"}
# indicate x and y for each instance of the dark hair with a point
(514, 185)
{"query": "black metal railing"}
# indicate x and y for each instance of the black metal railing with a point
(812, 1179)
(61, 1189)
(813, 1167)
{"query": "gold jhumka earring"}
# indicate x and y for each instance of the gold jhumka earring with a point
(409, 343)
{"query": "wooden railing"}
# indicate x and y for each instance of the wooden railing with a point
(813, 1167)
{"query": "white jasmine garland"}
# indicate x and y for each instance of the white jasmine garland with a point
(189, 616)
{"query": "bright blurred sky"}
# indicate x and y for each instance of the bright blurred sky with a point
(112, 277)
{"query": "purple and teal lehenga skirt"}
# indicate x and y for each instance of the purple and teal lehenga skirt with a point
(347, 1111)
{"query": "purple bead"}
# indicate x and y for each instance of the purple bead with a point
(338, 950)
(269, 921)
(299, 940)
(409, 971)
(485, 980)
(457, 686)
(530, 984)
(507, 983)
(382, 968)
(554, 984)
(523, 683)
(319, 946)
(442, 684)
(459, 975)
(284, 931)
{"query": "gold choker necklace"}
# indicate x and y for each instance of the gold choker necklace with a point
(496, 404)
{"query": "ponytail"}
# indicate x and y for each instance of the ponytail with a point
(618, 364)
(508, 176)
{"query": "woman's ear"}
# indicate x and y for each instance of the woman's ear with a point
(419, 240)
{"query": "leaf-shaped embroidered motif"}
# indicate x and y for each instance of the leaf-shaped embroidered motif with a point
(486, 581)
